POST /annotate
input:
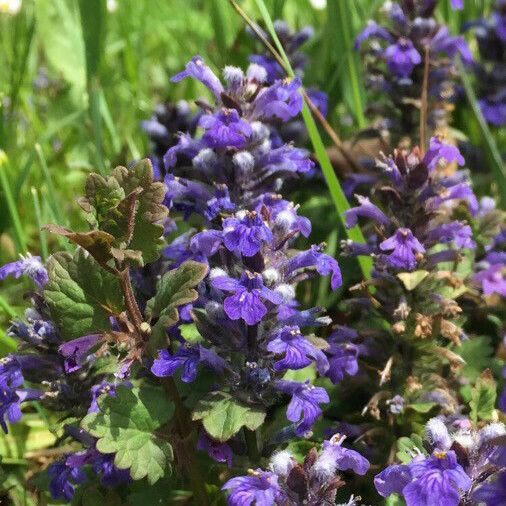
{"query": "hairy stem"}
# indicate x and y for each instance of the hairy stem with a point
(187, 455)
(133, 310)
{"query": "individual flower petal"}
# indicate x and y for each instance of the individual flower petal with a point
(366, 209)
(197, 69)
(404, 246)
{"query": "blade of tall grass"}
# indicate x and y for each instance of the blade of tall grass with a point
(52, 195)
(19, 231)
(220, 19)
(93, 26)
(40, 224)
(493, 154)
(336, 192)
(7, 308)
(340, 20)
(48, 134)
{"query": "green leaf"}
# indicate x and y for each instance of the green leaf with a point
(129, 206)
(148, 231)
(422, 407)
(190, 333)
(80, 294)
(97, 242)
(175, 289)
(93, 23)
(477, 353)
(483, 396)
(411, 280)
(223, 416)
(60, 33)
(127, 425)
(406, 446)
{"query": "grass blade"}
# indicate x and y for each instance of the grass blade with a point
(336, 192)
(40, 224)
(340, 17)
(53, 197)
(493, 154)
(19, 232)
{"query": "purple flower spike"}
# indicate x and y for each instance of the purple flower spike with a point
(457, 4)
(343, 361)
(494, 111)
(405, 246)
(10, 404)
(392, 479)
(437, 480)
(77, 351)
(219, 452)
(438, 151)
(281, 100)
(372, 31)
(30, 266)
(63, 480)
(460, 233)
(492, 280)
(225, 129)
(297, 350)
(246, 301)
(366, 209)
(492, 493)
(197, 69)
(341, 458)
(323, 263)
(402, 57)
(259, 489)
(11, 375)
(246, 235)
(304, 407)
(189, 358)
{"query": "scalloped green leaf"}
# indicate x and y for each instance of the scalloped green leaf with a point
(80, 294)
(175, 289)
(483, 396)
(127, 425)
(223, 416)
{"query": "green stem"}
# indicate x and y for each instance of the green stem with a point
(251, 439)
(188, 457)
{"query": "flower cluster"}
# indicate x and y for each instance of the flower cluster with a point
(491, 70)
(396, 54)
(315, 481)
(62, 375)
(293, 130)
(247, 313)
(460, 465)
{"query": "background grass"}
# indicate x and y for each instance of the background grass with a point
(77, 80)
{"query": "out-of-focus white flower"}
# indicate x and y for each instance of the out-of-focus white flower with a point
(112, 5)
(11, 7)
(318, 4)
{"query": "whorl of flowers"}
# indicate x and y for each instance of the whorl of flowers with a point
(417, 224)
(64, 376)
(458, 464)
(395, 54)
(247, 313)
(491, 69)
(293, 130)
(287, 482)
